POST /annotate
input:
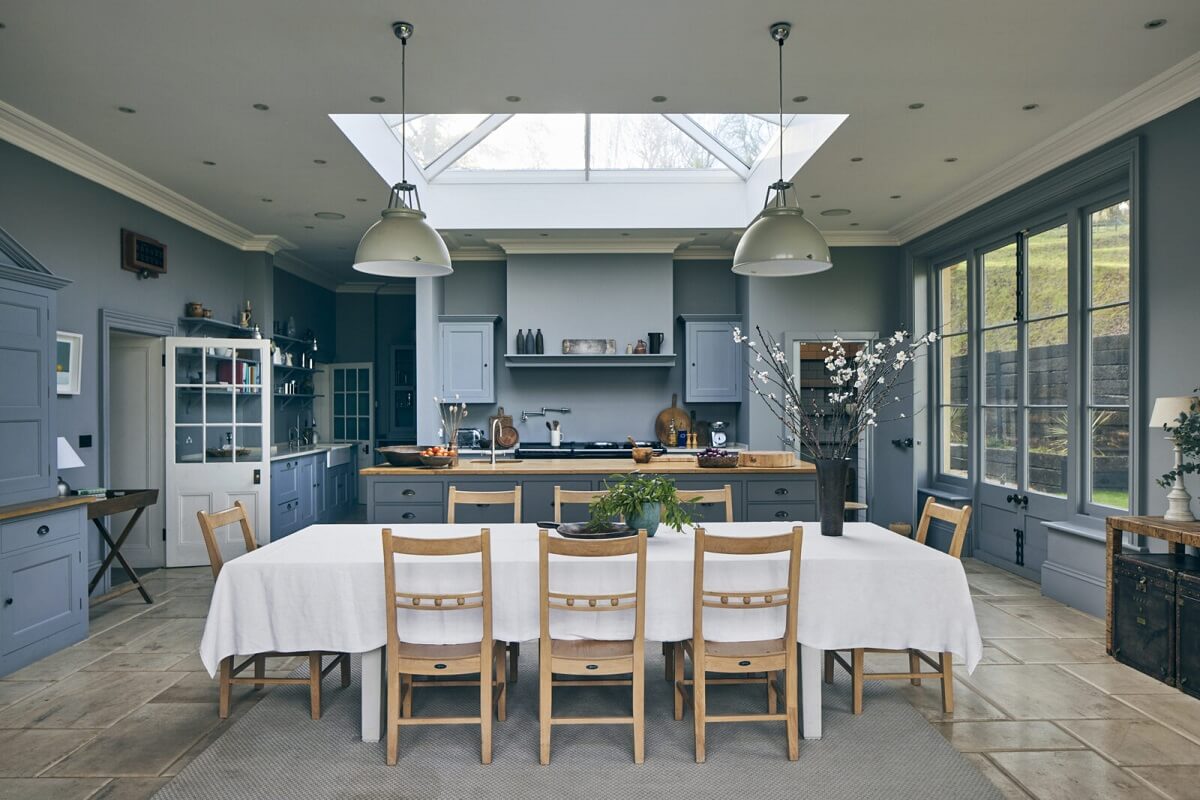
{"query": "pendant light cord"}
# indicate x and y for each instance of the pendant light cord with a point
(781, 110)
(404, 111)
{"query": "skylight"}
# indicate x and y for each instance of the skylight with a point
(703, 146)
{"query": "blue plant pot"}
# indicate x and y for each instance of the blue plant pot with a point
(647, 518)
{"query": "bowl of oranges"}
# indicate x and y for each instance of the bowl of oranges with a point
(439, 457)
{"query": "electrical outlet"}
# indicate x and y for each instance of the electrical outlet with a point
(85, 440)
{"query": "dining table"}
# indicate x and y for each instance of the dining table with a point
(321, 588)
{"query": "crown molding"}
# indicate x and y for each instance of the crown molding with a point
(549, 246)
(477, 254)
(268, 243)
(378, 287)
(860, 239)
(1160, 95)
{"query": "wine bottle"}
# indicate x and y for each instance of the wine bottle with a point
(541, 343)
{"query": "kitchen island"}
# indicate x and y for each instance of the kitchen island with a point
(414, 495)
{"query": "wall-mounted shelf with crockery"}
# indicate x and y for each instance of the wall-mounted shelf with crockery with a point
(521, 360)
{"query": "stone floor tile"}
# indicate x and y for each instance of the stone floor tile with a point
(176, 636)
(142, 744)
(177, 606)
(107, 614)
(130, 789)
(25, 753)
(1071, 775)
(1040, 691)
(1128, 742)
(1008, 789)
(1020, 600)
(135, 662)
(1117, 678)
(990, 655)
(87, 700)
(12, 691)
(1178, 783)
(49, 788)
(124, 633)
(997, 624)
(58, 665)
(1066, 623)
(968, 704)
(197, 687)
(1177, 711)
(1054, 651)
(978, 737)
(1003, 584)
(190, 663)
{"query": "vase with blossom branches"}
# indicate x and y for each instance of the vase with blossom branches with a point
(864, 385)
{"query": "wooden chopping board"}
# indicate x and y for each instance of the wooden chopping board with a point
(662, 423)
(766, 458)
(507, 436)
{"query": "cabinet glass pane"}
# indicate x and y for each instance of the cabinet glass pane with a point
(1048, 363)
(189, 444)
(249, 368)
(339, 404)
(955, 449)
(248, 437)
(339, 428)
(1048, 451)
(1000, 285)
(351, 427)
(351, 380)
(1109, 246)
(189, 366)
(1110, 356)
(1109, 431)
(219, 365)
(189, 405)
(218, 444)
(249, 406)
(1047, 286)
(954, 369)
(364, 382)
(954, 298)
(364, 403)
(218, 405)
(1000, 446)
(339, 380)
(1000, 364)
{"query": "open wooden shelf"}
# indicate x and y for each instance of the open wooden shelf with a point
(524, 360)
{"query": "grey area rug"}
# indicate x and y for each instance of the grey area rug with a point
(277, 751)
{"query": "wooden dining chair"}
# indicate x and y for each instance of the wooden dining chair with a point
(769, 656)
(229, 673)
(943, 664)
(406, 660)
(458, 497)
(593, 656)
(570, 497)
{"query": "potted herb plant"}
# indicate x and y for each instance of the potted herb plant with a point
(643, 501)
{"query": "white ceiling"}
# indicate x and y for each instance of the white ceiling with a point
(193, 71)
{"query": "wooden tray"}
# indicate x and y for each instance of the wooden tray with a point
(766, 458)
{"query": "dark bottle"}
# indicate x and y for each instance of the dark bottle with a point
(530, 344)
(541, 343)
(520, 341)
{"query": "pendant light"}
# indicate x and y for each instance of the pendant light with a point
(780, 242)
(402, 244)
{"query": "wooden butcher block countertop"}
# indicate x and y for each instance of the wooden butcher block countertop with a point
(581, 466)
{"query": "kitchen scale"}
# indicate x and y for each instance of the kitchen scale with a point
(717, 435)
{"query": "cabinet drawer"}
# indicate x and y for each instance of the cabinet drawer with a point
(404, 514)
(286, 518)
(408, 492)
(781, 491)
(41, 529)
(781, 512)
(43, 594)
(285, 479)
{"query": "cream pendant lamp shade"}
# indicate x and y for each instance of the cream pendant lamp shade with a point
(402, 244)
(780, 242)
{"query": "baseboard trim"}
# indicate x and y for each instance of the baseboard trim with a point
(1080, 590)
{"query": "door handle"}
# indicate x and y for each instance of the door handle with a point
(781, 491)
(43, 530)
(1025, 501)
(407, 515)
(1012, 498)
(408, 492)
(781, 514)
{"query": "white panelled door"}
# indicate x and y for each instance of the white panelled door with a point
(218, 441)
(352, 411)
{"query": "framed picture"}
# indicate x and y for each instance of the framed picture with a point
(67, 361)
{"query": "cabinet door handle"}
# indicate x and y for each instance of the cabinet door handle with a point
(8, 601)
(781, 491)
(43, 530)
(408, 492)
(781, 514)
(407, 515)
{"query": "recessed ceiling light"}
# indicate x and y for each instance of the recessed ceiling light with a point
(814, 196)
(320, 161)
(377, 99)
(468, 235)
(894, 197)
(659, 98)
(329, 215)
(856, 159)
(209, 163)
(513, 98)
(2, 26)
(1154, 24)
(126, 110)
(361, 199)
(310, 227)
(950, 160)
(267, 200)
(543, 234)
(703, 233)
(624, 234)
(853, 224)
(800, 98)
(261, 106)
(1029, 106)
(916, 106)
(835, 212)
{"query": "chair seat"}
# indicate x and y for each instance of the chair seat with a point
(437, 652)
(756, 648)
(590, 649)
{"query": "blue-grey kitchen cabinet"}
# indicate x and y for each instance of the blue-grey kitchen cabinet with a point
(467, 358)
(713, 361)
(306, 491)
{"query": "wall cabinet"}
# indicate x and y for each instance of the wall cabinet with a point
(467, 358)
(713, 361)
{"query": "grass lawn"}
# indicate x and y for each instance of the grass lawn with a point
(1116, 498)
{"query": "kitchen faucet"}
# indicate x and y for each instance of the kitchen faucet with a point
(525, 415)
(492, 436)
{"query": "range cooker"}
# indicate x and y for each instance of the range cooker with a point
(583, 449)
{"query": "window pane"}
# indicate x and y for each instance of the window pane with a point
(1000, 365)
(1000, 446)
(1048, 451)
(1000, 285)
(1047, 286)
(954, 298)
(1110, 254)
(1110, 356)
(954, 442)
(529, 141)
(430, 135)
(645, 141)
(745, 135)
(954, 369)
(1049, 362)
(1110, 458)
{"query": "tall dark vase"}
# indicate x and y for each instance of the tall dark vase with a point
(831, 494)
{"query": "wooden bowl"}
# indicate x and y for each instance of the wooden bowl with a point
(402, 455)
(642, 455)
(439, 462)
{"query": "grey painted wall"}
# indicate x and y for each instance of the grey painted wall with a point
(368, 326)
(312, 306)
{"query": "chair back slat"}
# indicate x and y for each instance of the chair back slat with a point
(457, 497)
(430, 601)
(746, 598)
(211, 523)
(606, 601)
(960, 518)
(571, 497)
(723, 495)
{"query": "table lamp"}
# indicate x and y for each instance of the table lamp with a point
(67, 459)
(1166, 413)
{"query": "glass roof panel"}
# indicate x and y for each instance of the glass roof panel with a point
(430, 135)
(529, 142)
(745, 135)
(645, 141)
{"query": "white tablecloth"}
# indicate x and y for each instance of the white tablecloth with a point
(322, 589)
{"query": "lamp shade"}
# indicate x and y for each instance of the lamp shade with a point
(1167, 410)
(781, 243)
(402, 245)
(67, 457)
